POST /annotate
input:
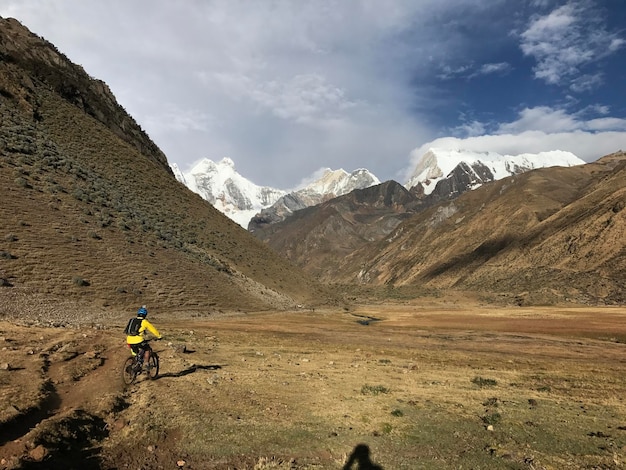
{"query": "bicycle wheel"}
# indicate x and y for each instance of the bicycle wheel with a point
(128, 372)
(153, 365)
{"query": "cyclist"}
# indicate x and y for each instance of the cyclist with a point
(135, 331)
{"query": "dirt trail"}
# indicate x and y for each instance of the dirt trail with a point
(58, 382)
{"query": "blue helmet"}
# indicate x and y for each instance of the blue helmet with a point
(142, 312)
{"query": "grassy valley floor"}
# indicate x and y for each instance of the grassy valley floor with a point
(437, 384)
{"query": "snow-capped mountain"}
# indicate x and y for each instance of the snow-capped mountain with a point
(330, 185)
(241, 200)
(460, 170)
(439, 174)
(229, 192)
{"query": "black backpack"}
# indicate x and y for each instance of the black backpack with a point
(132, 329)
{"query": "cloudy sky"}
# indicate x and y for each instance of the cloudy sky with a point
(286, 87)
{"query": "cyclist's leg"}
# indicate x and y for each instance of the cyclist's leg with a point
(146, 353)
(137, 354)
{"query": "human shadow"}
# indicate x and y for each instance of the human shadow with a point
(360, 457)
(188, 370)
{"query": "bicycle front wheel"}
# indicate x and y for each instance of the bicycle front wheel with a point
(128, 372)
(153, 365)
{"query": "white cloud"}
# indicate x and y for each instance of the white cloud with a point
(174, 119)
(586, 82)
(616, 43)
(470, 128)
(306, 99)
(566, 40)
(500, 67)
(542, 118)
(606, 124)
(471, 70)
(447, 72)
(284, 88)
(556, 120)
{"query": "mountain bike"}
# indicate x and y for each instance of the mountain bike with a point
(133, 366)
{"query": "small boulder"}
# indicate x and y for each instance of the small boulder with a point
(38, 453)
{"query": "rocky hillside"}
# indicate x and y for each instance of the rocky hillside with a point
(317, 237)
(547, 235)
(33, 60)
(91, 212)
(552, 234)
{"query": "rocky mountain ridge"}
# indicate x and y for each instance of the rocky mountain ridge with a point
(32, 58)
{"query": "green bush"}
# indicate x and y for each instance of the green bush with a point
(482, 382)
(491, 419)
(373, 389)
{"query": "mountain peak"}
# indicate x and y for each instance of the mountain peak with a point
(228, 191)
(226, 161)
(339, 182)
(438, 164)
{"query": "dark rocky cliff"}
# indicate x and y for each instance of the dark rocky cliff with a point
(26, 57)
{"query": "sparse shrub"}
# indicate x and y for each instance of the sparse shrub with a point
(105, 221)
(79, 281)
(373, 389)
(491, 419)
(21, 182)
(80, 195)
(95, 236)
(482, 382)
(384, 361)
(493, 401)
(397, 413)
(6, 255)
(10, 238)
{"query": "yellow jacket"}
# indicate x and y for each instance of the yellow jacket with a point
(145, 325)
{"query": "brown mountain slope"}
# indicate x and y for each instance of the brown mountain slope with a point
(90, 215)
(319, 237)
(547, 235)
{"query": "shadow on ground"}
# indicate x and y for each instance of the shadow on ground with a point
(360, 459)
(189, 370)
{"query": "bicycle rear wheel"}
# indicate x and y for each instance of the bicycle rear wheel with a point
(128, 372)
(153, 365)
